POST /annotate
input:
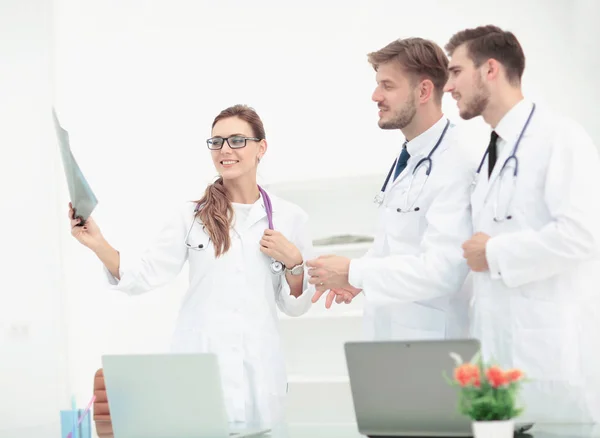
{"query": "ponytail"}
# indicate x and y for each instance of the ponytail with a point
(216, 214)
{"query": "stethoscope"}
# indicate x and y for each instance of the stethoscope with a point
(276, 266)
(427, 162)
(512, 158)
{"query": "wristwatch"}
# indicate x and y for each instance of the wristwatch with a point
(296, 270)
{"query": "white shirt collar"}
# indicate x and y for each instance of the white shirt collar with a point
(511, 125)
(424, 142)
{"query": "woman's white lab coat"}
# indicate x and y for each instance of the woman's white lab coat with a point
(230, 306)
(538, 306)
(413, 278)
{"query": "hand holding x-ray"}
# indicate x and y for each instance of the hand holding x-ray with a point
(82, 197)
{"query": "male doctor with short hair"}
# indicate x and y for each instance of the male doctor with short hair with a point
(536, 297)
(413, 276)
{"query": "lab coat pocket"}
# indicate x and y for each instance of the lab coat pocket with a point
(526, 201)
(545, 340)
(402, 227)
(201, 248)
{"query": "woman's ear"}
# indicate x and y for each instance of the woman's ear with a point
(262, 149)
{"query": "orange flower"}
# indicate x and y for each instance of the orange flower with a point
(467, 374)
(513, 375)
(496, 376)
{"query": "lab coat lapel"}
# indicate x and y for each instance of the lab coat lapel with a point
(479, 190)
(407, 171)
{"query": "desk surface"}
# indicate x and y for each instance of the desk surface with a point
(335, 431)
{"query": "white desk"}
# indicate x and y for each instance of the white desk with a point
(331, 431)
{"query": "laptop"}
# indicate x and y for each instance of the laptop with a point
(399, 390)
(167, 395)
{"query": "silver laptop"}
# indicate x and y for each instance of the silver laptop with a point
(399, 389)
(167, 395)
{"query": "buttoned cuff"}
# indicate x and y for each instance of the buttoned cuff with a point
(356, 272)
(491, 255)
(296, 306)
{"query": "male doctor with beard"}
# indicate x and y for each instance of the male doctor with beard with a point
(534, 253)
(413, 276)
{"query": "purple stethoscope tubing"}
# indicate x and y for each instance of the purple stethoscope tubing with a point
(276, 266)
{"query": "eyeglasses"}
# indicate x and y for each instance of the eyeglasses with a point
(234, 142)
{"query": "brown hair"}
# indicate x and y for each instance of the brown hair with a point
(216, 211)
(420, 57)
(485, 42)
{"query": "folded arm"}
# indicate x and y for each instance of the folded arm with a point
(573, 234)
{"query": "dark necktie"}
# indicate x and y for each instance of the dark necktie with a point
(492, 153)
(404, 156)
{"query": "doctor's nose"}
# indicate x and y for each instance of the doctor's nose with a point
(226, 148)
(449, 87)
(376, 96)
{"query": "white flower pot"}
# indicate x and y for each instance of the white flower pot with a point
(493, 429)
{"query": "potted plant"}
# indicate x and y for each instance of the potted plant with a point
(488, 395)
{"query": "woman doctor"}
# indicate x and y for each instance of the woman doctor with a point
(230, 305)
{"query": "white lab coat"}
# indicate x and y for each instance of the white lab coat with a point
(413, 278)
(230, 305)
(538, 307)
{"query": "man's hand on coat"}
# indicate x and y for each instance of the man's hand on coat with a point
(474, 252)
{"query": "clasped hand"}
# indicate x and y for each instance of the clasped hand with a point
(330, 273)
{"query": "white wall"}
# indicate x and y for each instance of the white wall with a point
(33, 343)
(582, 84)
(137, 85)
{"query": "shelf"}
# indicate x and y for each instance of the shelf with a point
(313, 379)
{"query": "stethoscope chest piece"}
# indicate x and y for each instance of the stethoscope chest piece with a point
(277, 267)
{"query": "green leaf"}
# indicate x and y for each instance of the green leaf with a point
(476, 357)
